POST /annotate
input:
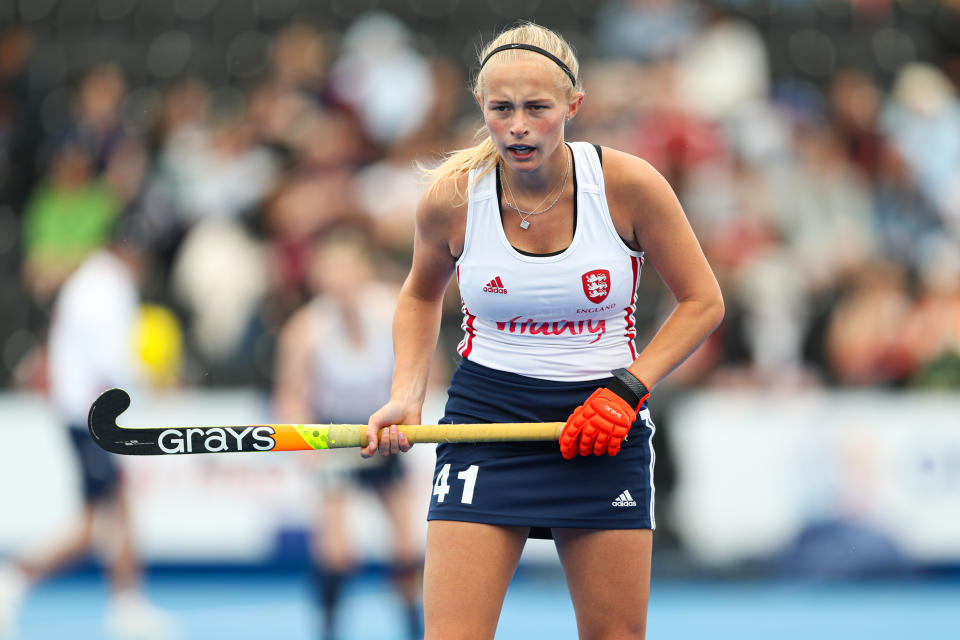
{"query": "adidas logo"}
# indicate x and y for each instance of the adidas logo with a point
(624, 500)
(495, 286)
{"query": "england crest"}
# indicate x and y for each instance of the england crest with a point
(596, 285)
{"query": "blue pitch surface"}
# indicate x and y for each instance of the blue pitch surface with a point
(277, 605)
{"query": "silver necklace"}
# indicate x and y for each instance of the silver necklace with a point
(524, 223)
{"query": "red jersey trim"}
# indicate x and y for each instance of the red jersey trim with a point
(469, 332)
(630, 331)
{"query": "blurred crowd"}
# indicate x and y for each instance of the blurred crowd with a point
(815, 146)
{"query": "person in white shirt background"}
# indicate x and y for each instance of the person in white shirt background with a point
(91, 347)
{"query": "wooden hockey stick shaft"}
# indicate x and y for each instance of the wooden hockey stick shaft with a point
(334, 436)
(102, 423)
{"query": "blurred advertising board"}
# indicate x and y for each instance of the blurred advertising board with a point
(755, 470)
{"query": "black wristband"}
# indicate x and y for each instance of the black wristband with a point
(629, 387)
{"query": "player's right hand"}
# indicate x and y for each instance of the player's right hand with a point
(388, 417)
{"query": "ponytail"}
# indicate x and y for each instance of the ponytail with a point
(482, 156)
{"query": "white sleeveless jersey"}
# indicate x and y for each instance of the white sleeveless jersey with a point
(564, 316)
(352, 381)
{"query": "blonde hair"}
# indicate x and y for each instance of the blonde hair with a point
(483, 155)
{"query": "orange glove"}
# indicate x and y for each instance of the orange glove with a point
(600, 424)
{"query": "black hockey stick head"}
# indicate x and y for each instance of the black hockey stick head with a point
(102, 422)
(155, 441)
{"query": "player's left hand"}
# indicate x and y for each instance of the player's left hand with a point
(383, 436)
(601, 423)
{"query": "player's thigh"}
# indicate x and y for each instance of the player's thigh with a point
(397, 505)
(608, 574)
(467, 570)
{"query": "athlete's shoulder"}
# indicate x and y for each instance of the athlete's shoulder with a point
(442, 214)
(632, 182)
(444, 199)
(625, 170)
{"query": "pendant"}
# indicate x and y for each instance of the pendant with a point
(524, 225)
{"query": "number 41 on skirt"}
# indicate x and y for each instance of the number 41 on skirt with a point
(469, 476)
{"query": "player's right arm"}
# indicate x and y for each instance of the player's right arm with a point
(438, 240)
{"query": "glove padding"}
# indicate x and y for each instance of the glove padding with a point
(598, 426)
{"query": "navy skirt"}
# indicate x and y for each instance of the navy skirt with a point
(530, 483)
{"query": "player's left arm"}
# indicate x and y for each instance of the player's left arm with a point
(648, 218)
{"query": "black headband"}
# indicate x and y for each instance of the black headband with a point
(530, 47)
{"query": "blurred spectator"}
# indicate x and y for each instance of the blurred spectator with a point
(314, 194)
(931, 329)
(275, 112)
(387, 189)
(723, 67)
(825, 209)
(646, 30)
(773, 299)
(618, 93)
(215, 165)
(387, 82)
(301, 59)
(97, 124)
(668, 135)
(906, 220)
(68, 215)
(865, 327)
(182, 110)
(18, 130)
(95, 169)
(733, 207)
(220, 277)
(334, 364)
(922, 120)
(855, 102)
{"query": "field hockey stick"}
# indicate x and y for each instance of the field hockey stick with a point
(151, 441)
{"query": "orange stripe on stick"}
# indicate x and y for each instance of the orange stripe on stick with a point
(288, 439)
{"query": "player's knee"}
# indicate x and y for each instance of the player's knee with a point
(457, 631)
(626, 628)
